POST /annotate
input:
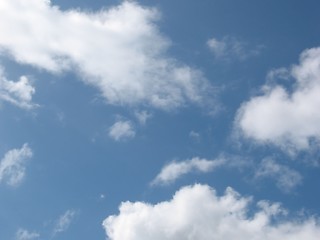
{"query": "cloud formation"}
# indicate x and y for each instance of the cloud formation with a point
(18, 92)
(122, 130)
(286, 118)
(285, 177)
(230, 48)
(13, 165)
(120, 51)
(23, 234)
(64, 222)
(197, 212)
(174, 170)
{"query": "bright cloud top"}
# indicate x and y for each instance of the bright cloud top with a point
(120, 51)
(196, 212)
(285, 177)
(18, 92)
(122, 130)
(287, 119)
(23, 234)
(174, 170)
(13, 165)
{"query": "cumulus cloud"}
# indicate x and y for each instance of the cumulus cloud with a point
(197, 212)
(23, 234)
(174, 170)
(122, 130)
(230, 48)
(18, 92)
(13, 165)
(288, 118)
(64, 222)
(285, 177)
(120, 51)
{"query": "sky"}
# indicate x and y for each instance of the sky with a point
(163, 120)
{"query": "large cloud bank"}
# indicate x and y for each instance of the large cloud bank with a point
(287, 119)
(120, 51)
(197, 212)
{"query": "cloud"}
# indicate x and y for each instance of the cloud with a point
(18, 92)
(64, 222)
(12, 165)
(120, 51)
(23, 234)
(174, 170)
(121, 130)
(230, 48)
(285, 177)
(142, 116)
(287, 118)
(197, 212)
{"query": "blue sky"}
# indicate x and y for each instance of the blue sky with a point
(128, 120)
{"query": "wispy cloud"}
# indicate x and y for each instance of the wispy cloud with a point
(142, 116)
(230, 48)
(23, 234)
(18, 93)
(13, 165)
(120, 51)
(286, 178)
(122, 130)
(64, 222)
(174, 170)
(198, 212)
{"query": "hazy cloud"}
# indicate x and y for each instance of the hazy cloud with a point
(13, 165)
(23, 234)
(122, 130)
(64, 222)
(230, 48)
(285, 177)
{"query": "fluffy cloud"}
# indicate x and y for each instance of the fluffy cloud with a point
(121, 130)
(12, 165)
(23, 234)
(196, 212)
(120, 51)
(230, 48)
(285, 177)
(175, 170)
(286, 118)
(18, 92)
(64, 222)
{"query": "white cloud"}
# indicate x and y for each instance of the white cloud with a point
(120, 51)
(285, 177)
(174, 170)
(23, 234)
(142, 116)
(288, 119)
(122, 130)
(18, 92)
(12, 165)
(230, 48)
(197, 212)
(64, 222)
